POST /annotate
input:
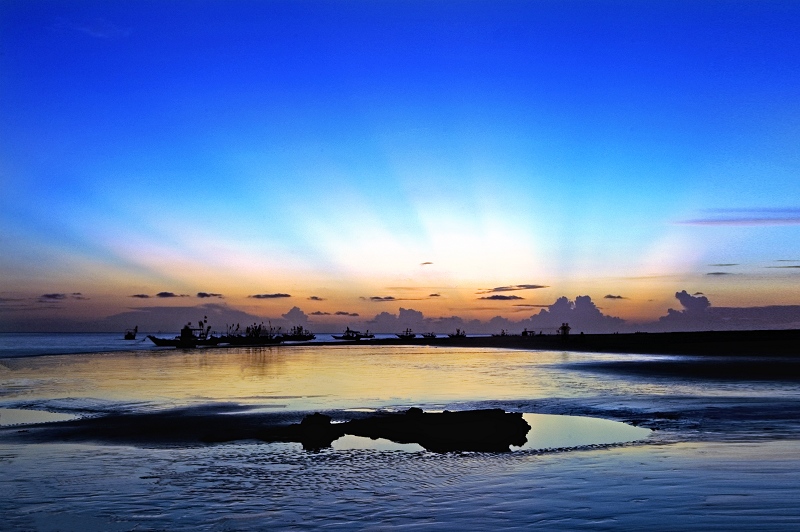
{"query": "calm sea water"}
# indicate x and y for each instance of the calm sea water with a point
(695, 466)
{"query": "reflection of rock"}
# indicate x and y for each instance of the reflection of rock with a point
(472, 430)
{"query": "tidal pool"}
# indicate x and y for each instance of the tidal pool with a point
(548, 432)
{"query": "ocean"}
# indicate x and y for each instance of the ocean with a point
(607, 449)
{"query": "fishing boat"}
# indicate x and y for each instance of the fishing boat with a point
(298, 334)
(189, 337)
(458, 334)
(253, 335)
(350, 334)
(251, 341)
(429, 335)
(130, 334)
(408, 334)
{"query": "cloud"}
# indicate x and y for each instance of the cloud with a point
(295, 316)
(425, 263)
(343, 313)
(720, 273)
(269, 296)
(783, 267)
(699, 315)
(512, 288)
(170, 294)
(384, 299)
(498, 297)
(692, 304)
(316, 298)
(140, 296)
(722, 265)
(695, 294)
(208, 294)
(17, 304)
(52, 297)
(610, 296)
(99, 28)
(693, 315)
(407, 318)
(757, 216)
(582, 315)
(320, 313)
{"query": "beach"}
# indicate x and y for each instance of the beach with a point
(716, 448)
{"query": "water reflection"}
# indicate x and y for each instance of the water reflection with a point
(306, 378)
(547, 432)
(555, 432)
(349, 442)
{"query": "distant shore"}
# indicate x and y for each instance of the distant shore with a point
(785, 342)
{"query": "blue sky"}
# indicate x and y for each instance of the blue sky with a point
(329, 150)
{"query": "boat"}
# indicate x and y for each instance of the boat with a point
(429, 335)
(250, 341)
(408, 334)
(253, 336)
(298, 334)
(458, 334)
(350, 334)
(130, 334)
(189, 337)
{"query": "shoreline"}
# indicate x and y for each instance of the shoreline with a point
(781, 342)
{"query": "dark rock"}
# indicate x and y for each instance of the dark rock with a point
(315, 432)
(472, 430)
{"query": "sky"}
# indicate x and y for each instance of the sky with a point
(467, 159)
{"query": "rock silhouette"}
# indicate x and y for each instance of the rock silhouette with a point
(491, 430)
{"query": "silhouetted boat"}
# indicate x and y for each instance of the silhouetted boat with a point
(130, 334)
(298, 334)
(429, 335)
(458, 334)
(189, 337)
(408, 334)
(254, 335)
(350, 334)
